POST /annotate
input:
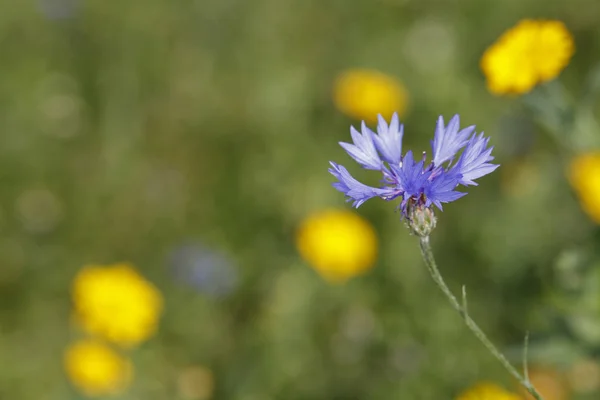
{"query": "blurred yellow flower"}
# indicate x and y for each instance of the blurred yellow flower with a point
(549, 382)
(529, 53)
(584, 176)
(364, 93)
(117, 303)
(96, 369)
(487, 391)
(338, 244)
(196, 383)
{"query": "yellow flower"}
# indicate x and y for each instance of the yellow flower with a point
(115, 302)
(338, 244)
(364, 93)
(529, 53)
(96, 369)
(549, 382)
(196, 383)
(584, 176)
(487, 391)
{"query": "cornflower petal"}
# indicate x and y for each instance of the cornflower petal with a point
(363, 150)
(448, 140)
(353, 189)
(441, 189)
(411, 176)
(474, 161)
(388, 140)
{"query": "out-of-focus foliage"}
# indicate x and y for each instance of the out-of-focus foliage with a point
(192, 139)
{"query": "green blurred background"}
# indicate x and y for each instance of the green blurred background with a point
(131, 129)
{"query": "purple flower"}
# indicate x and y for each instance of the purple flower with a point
(415, 182)
(59, 9)
(205, 269)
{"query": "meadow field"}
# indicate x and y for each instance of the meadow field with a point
(169, 229)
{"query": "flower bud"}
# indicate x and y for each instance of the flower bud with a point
(421, 220)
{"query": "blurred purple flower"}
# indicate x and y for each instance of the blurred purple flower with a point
(415, 182)
(207, 270)
(58, 9)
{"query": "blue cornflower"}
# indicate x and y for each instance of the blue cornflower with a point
(418, 184)
(208, 270)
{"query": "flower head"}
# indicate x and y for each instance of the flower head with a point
(363, 93)
(487, 391)
(116, 303)
(532, 52)
(584, 176)
(418, 184)
(209, 271)
(57, 10)
(96, 369)
(338, 244)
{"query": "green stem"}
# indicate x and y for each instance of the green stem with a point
(437, 277)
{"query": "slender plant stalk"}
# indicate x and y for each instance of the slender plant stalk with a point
(462, 310)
